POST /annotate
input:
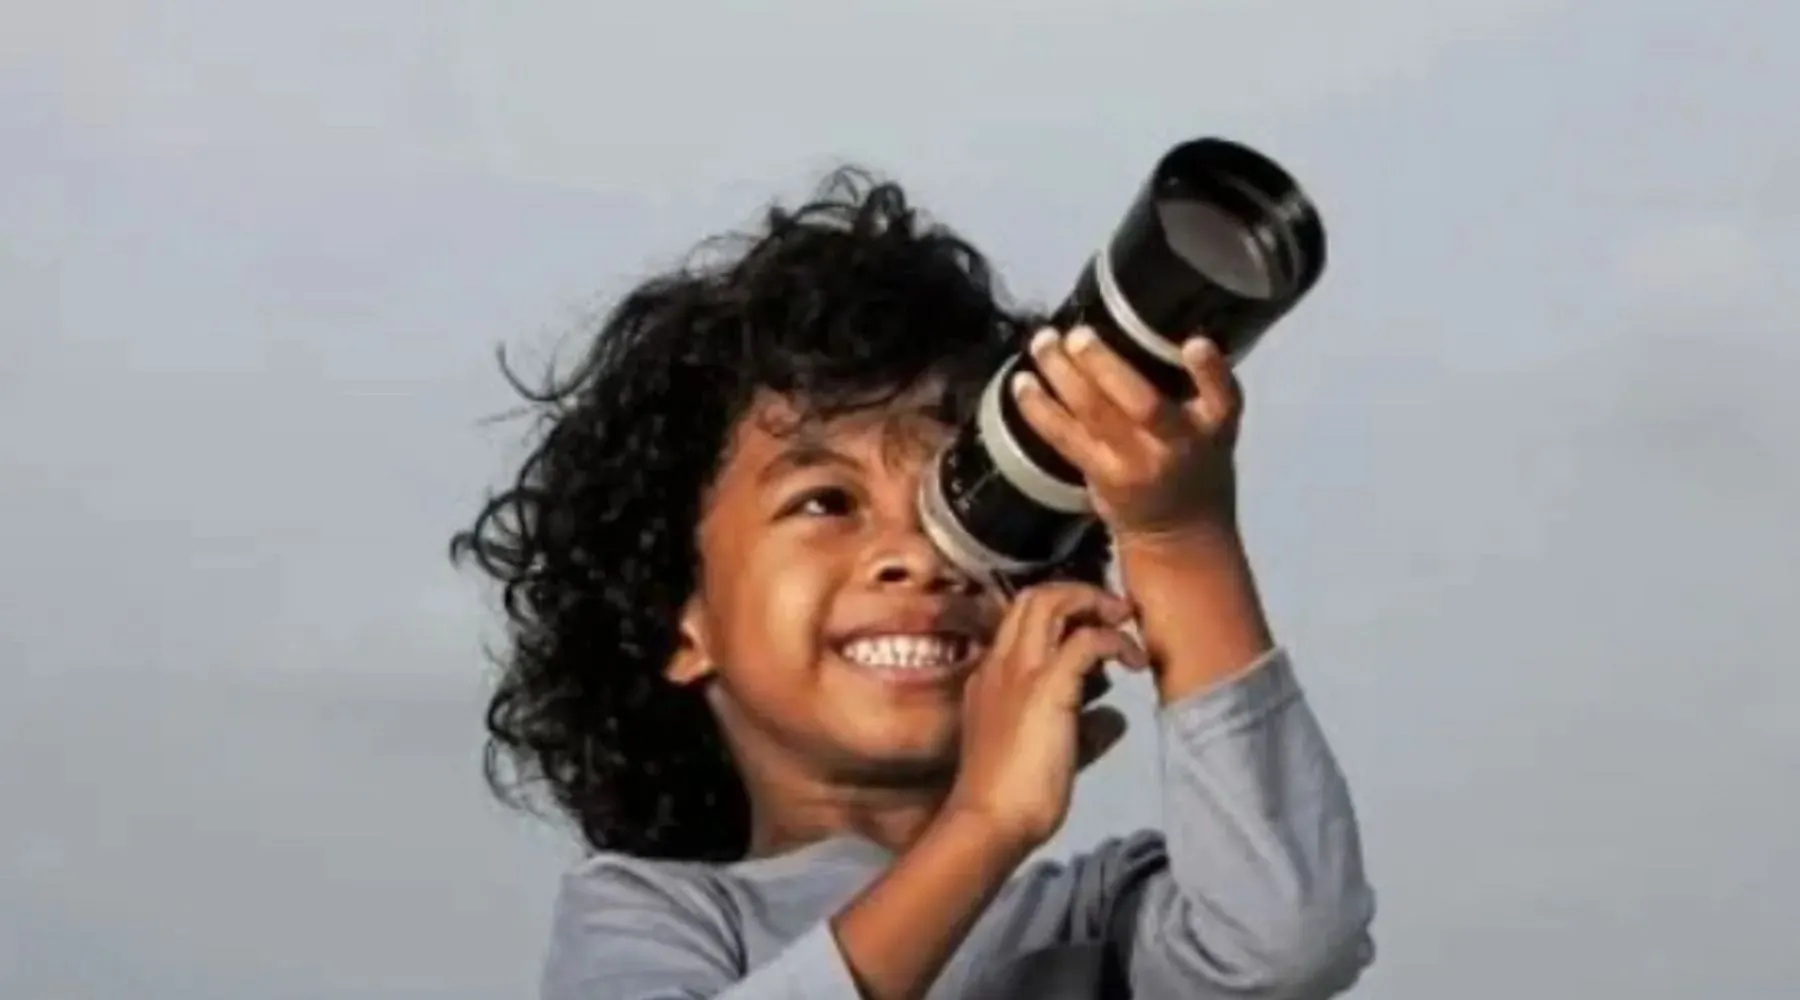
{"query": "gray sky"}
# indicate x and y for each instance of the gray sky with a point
(1520, 474)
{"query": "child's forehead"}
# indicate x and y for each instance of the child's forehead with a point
(906, 425)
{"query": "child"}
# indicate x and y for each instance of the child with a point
(812, 758)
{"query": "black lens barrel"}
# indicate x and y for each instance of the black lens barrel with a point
(1220, 241)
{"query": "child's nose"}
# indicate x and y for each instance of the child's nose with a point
(907, 558)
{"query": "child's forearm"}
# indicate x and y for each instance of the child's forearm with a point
(1262, 839)
(1197, 605)
(898, 934)
(1265, 893)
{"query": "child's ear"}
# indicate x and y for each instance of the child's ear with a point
(693, 659)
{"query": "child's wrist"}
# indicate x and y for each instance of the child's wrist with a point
(971, 829)
(1198, 605)
(1211, 537)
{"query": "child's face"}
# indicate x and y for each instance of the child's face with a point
(837, 638)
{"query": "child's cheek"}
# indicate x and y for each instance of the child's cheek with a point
(794, 608)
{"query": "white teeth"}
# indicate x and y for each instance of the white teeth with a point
(906, 652)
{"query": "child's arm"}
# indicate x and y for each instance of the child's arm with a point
(628, 933)
(898, 935)
(1262, 891)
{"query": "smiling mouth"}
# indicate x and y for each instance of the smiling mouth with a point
(923, 655)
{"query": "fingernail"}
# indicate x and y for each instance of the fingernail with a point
(1082, 338)
(1041, 340)
(1199, 349)
(1023, 382)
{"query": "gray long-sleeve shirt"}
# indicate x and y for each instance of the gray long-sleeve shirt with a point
(1256, 890)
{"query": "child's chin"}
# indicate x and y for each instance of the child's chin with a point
(912, 746)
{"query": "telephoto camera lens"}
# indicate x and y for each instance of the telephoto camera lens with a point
(1221, 241)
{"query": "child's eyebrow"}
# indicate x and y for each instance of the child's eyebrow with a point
(804, 455)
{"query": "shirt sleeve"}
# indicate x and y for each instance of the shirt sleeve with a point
(623, 932)
(1256, 890)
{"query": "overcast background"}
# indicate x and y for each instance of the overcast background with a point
(1522, 476)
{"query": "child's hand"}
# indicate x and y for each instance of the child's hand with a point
(1155, 467)
(1161, 478)
(1025, 735)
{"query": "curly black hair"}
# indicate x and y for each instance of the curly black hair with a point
(844, 302)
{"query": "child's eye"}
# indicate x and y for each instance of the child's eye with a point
(830, 501)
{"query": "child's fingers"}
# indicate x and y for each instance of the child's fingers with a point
(1072, 386)
(1128, 392)
(1217, 396)
(1086, 650)
(1056, 425)
(1048, 614)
